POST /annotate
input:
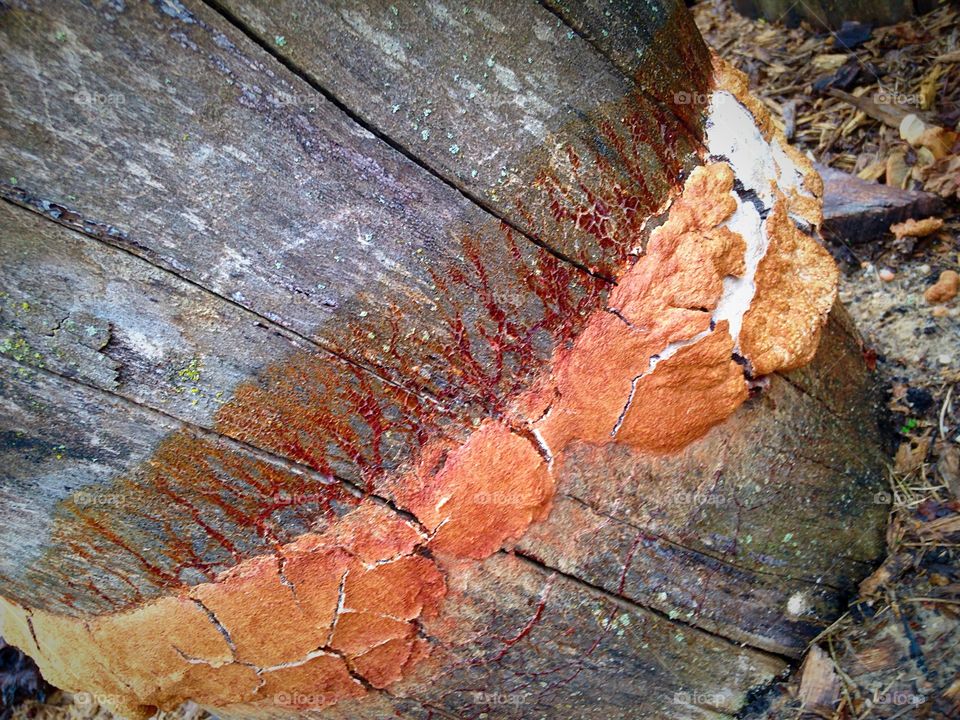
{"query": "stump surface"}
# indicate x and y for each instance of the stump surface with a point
(391, 360)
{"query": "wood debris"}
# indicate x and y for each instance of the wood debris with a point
(917, 228)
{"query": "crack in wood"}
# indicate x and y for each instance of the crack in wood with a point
(138, 251)
(631, 604)
(474, 199)
(680, 546)
(217, 624)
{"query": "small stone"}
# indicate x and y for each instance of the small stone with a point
(945, 288)
(940, 311)
(945, 359)
(886, 274)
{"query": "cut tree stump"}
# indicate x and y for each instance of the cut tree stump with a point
(417, 361)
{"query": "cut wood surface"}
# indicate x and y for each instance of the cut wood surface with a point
(406, 360)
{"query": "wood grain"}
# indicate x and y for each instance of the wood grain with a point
(184, 140)
(507, 102)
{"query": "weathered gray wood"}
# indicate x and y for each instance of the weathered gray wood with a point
(240, 177)
(656, 44)
(506, 101)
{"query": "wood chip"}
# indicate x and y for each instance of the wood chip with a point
(945, 288)
(917, 228)
(819, 683)
(829, 62)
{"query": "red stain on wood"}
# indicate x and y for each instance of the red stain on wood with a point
(308, 585)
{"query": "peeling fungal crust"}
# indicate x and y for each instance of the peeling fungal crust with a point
(331, 613)
(734, 276)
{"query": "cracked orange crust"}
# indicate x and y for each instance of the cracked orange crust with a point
(251, 636)
(334, 613)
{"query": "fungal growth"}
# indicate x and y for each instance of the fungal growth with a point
(731, 286)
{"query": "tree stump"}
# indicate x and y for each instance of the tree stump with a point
(417, 361)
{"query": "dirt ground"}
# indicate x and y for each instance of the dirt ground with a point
(842, 98)
(845, 98)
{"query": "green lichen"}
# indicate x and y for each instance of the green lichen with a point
(21, 351)
(187, 380)
(191, 371)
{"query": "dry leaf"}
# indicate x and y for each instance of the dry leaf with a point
(925, 158)
(943, 177)
(892, 568)
(939, 140)
(928, 87)
(948, 467)
(911, 456)
(873, 171)
(918, 133)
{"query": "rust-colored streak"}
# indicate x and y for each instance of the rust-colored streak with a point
(609, 183)
(196, 509)
(330, 416)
